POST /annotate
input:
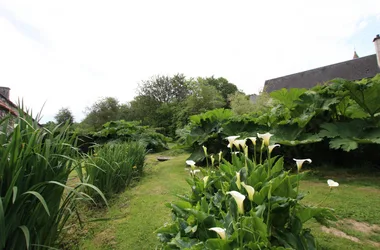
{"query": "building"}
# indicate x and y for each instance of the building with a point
(6, 106)
(355, 69)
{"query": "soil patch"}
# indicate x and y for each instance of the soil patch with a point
(362, 226)
(339, 233)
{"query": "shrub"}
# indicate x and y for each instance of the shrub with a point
(121, 131)
(243, 204)
(113, 165)
(34, 168)
(342, 116)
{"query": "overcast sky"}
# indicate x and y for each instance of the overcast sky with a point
(71, 53)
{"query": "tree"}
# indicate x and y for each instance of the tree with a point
(204, 97)
(64, 115)
(143, 108)
(240, 104)
(222, 85)
(104, 110)
(165, 89)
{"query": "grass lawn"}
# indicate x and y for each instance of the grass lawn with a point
(140, 210)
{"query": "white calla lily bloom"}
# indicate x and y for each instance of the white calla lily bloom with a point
(220, 231)
(190, 163)
(252, 139)
(204, 150)
(239, 199)
(332, 183)
(212, 160)
(250, 190)
(193, 172)
(220, 156)
(205, 179)
(300, 162)
(265, 137)
(240, 144)
(231, 140)
(271, 147)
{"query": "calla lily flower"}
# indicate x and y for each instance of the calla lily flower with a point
(220, 156)
(239, 199)
(205, 179)
(212, 160)
(265, 137)
(231, 140)
(271, 147)
(220, 231)
(246, 151)
(190, 163)
(238, 184)
(193, 172)
(250, 190)
(205, 150)
(240, 144)
(300, 162)
(332, 183)
(252, 139)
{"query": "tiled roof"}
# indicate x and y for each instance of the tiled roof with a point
(354, 69)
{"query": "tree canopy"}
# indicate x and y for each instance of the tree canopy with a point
(64, 115)
(104, 110)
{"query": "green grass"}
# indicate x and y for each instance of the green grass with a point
(139, 211)
(357, 200)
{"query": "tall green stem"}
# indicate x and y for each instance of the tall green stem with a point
(269, 209)
(325, 198)
(269, 164)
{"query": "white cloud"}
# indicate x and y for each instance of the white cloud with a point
(70, 53)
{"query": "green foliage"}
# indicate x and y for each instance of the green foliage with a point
(203, 97)
(165, 89)
(344, 114)
(35, 202)
(206, 129)
(104, 110)
(240, 104)
(132, 131)
(113, 166)
(272, 218)
(365, 93)
(287, 97)
(222, 85)
(63, 116)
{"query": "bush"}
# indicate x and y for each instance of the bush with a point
(243, 204)
(121, 131)
(113, 166)
(342, 116)
(34, 168)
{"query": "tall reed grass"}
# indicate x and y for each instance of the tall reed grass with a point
(35, 164)
(114, 165)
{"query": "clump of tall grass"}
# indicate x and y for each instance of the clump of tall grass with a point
(113, 166)
(35, 164)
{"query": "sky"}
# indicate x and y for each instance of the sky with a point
(56, 54)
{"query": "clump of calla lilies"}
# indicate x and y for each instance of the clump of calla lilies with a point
(247, 202)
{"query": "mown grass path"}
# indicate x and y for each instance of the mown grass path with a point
(139, 211)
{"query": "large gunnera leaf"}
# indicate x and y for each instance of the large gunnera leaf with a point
(347, 135)
(366, 93)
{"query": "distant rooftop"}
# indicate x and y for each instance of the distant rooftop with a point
(354, 69)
